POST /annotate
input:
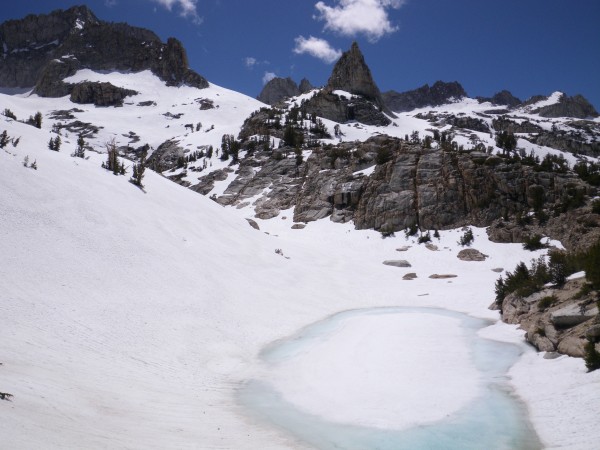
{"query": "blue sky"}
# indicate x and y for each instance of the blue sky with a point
(526, 46)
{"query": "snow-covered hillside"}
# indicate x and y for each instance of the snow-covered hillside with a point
(131, 318)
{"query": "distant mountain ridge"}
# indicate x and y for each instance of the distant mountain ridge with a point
(41, 50)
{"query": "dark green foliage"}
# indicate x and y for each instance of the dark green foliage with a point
(139, 169)
(591, 265)
(299, 157)
(8, 113)
(424, 238)
(524, 281)
(591, 357)
(596, 206)
(533, 243)
(536, 193)
(467, 238)
(230, 147)
(506, 141)
(209, 152)
(547, 302)
(588, 172)
(553, 163)
(436, 234)
(112, 162)
(35, 120)
(411, 231)
(384, 154)
(55, 144)
(4, 139)
(558, 267)
(292, 137)
(80, 150)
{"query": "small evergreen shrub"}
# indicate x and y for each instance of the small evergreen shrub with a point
(547, 302)
(467, 238)
(533, 243)
(591, 356)
(424, 238)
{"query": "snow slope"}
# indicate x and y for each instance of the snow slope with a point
(130, 318)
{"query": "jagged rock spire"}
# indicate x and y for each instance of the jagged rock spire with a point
(352, 74)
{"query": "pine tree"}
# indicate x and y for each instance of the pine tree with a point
(80, 150)
(112, 159)
(138, 170)
(4, 139)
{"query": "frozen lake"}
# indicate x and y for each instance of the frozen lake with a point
(391, 378)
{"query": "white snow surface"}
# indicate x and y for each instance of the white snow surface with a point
(130, 318)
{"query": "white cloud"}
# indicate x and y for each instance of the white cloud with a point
(268, 76)
(187, 8)
(353, 17)
(319, 48)
(250, 62)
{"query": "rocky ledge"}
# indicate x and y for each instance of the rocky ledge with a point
(556, 320)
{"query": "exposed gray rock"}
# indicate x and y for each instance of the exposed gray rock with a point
(403, 249)
(572, 315)
(41, 50)
(576, 106)
(439, 93)
(278, 89)
(298, 226)
(498, 270)
(253, 224)
(305, 86)
(593, 332)
(100, 94)
(397, 263)
(165, 156)
(432, 247)
(470, 254)
(351, 74)
(502, 98)
(437, 276)
(410, 276)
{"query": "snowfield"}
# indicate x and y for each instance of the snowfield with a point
(130, 318)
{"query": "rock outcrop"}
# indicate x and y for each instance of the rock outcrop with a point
(410, 185)
(439, 93)
(305, 86)
(364, 103)
(555, 320)
(100, 94)
(278, 89)
(576, 106)
(502, 98)
(41, 50)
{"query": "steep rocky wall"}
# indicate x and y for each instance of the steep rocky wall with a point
(76, 37)
(432, 188)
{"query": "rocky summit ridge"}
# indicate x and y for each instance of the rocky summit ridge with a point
(41, 50)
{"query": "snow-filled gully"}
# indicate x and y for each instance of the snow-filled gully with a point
(391, 378)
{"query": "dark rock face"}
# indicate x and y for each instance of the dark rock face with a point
(576, 106)
(305, 86)
(561, 325)
(438, 94)
(100, 94)
(351, 74)
(502, 98)
(340, 109)
(42, 50)
(432, 188)
(278, 89)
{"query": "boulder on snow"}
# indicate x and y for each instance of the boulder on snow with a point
(397, 263)
(470, 254)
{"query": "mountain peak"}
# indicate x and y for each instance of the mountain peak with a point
(351, 74)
